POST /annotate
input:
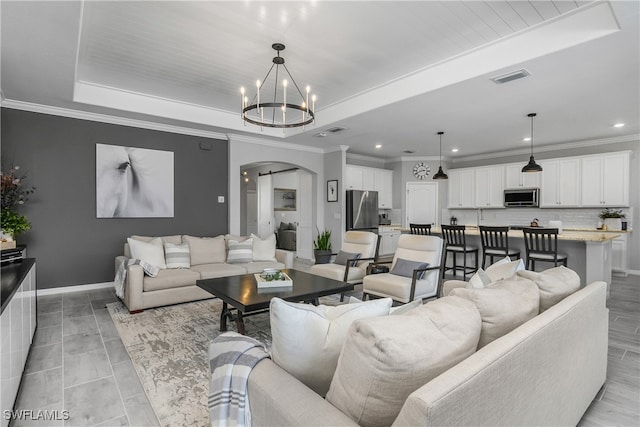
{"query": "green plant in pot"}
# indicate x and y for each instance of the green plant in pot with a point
(13, 223)
(612, 218)
(322, 247)
(14, 195)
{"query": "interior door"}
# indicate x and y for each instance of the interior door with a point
(304, 237)
(252, 212)
(265, 206)
(422, 203)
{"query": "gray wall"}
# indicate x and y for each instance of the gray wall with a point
(70, 244)
(334, 213)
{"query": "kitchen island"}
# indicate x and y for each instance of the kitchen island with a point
(589, 252)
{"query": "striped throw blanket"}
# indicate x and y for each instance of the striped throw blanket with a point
(121, 274)
(231, 358)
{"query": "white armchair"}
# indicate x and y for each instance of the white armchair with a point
(355, 242)
(415, 282)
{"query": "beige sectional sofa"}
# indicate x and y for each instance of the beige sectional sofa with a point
(208, 258)
(544, 372)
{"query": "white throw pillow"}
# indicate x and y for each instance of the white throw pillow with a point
(206, 250)
(479, 280)
(264, 249)
(504, 269)
(177, 256)
(240, 252)
(307, 339)
(152, 252)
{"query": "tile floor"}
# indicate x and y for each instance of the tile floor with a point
(79, 363)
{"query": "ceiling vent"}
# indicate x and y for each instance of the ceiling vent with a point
(408, 151)
(515, 75)
(335, 129)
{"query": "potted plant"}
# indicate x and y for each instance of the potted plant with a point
(14, 195)
(612, 218)
(322, 247)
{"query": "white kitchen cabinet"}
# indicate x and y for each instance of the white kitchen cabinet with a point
(364, 178)
(461, 188)
(605, 180)
(489, 183)
(515, 178)
(560, 184)
(619, 253)
(388, 242)
(383, 184)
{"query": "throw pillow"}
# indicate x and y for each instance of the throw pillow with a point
(306, 339)
(264, 249)
(206, 250)
(385, 359)
(343, 257)
(405, 267)
(503, 306)
(504, 269)
(152, 252)
(401, 309)
(177, 256)
(554, 284)
(240, 252)
(479, 280)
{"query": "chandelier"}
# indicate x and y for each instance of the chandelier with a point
(278, 112)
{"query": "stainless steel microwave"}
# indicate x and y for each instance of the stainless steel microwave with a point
(522, 198)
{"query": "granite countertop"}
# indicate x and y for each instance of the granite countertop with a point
(13, 274)
(567, 234)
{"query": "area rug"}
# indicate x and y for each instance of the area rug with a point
(169, 349)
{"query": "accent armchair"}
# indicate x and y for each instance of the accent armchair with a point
(350, 265)
(409, 278)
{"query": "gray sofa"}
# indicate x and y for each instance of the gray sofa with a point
(173, 286)
(544, 372)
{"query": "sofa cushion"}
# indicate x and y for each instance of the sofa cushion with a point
(175, 239)
(177, 256)
(384, 359)
(399, 286)
(240, 252)
(264, 249)
(206, 250)
(554, 284)
(503, 305)
(151, 252)
(306, 339)
(258, 266)
(214, 270)
(167, 279)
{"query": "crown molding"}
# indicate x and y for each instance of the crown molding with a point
(276, 144)
(363, 157)
(105, 118)
(550, 147)
(418, 159)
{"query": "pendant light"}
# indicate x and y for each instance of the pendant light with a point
(532, 166)
(440, 174)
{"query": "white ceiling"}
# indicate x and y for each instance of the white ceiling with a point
(392, 73)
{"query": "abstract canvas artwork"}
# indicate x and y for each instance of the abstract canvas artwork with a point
(133, 182)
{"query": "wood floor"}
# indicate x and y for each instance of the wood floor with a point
(618, 402)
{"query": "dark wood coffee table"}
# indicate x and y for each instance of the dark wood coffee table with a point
(243, 295)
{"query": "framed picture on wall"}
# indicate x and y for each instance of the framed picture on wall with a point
(332, 190)
(133, 182)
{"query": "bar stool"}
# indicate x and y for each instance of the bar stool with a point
(422, 229)
(456, 243)
(495, 243)
(541, 244)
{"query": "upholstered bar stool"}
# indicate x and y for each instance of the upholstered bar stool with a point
(495, 243)
(422, 229)
(541, 244)
(456, 243)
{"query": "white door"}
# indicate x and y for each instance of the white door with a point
(422, 203)
(265, 206)
(304, 237)
(252, 212)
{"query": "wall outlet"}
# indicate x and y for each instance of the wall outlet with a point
(220, 199)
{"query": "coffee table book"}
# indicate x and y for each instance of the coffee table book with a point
(263, 283)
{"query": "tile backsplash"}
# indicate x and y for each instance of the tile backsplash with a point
(571, 218)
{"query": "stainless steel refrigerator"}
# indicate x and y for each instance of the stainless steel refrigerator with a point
(362, 210)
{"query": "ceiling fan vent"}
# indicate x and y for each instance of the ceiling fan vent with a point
(515, 75)
(335, 129)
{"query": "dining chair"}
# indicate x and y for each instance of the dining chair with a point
(495, 243)
(422, 229)
(456, 243)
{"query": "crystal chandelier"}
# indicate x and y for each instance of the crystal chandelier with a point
(278, 112)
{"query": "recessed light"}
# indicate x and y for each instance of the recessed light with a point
(527, 139)
(454, 150)
(618, 125)
(378, 145)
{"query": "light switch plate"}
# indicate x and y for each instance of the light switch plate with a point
(220, 199)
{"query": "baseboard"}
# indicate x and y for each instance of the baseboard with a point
(78, 288)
